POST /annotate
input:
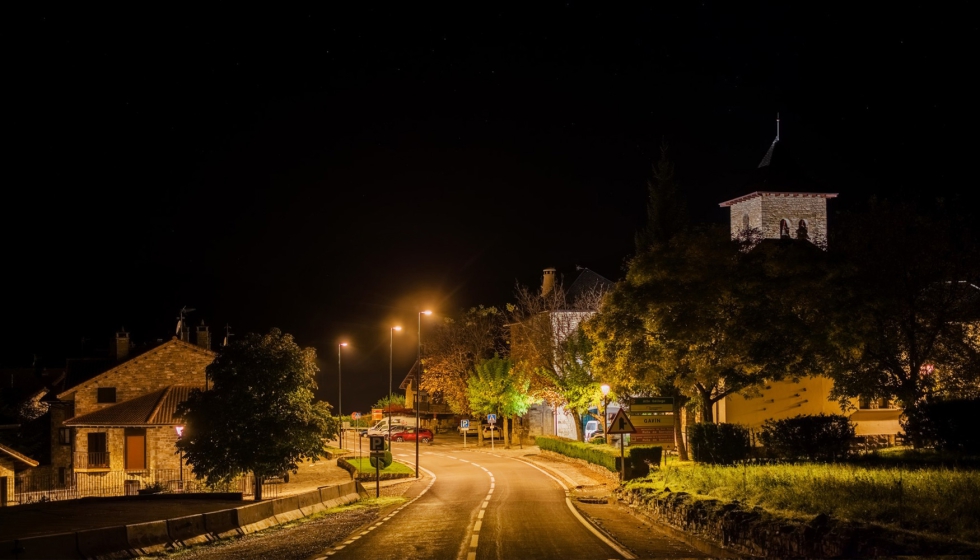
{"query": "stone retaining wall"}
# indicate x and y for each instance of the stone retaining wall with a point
(144, 538)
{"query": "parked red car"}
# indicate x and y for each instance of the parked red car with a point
(409, 433)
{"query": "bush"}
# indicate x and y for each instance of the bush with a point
(821, 437)
(637, 456)
(944, 425)
(598, 440)
(721, 444)
(385, 461)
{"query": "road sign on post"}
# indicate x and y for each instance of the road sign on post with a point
(492, 418)
(621, 425)
(377, 446)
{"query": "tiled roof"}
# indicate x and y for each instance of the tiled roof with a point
(156, 409)
(18, 456)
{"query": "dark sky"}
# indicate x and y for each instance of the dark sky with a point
(330, 173)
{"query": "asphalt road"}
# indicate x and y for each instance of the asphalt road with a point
(478, 506)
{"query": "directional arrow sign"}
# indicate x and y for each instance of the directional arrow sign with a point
(621, 424)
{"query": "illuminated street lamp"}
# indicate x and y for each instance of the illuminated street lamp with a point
(605, 403)
(340, 394)
(418, 393)
(391, 342)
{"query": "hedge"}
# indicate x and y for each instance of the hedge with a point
(637, 456)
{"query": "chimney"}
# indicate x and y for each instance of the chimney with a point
(121, 347)
(203, 336)
(548, 282)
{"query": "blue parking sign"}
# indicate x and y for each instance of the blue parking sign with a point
(464, 424)
(492, 418)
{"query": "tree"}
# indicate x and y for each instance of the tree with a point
(259, 415)
(493, 390)
(666, 210)
(905, 316)
(454, 347)
(712, 316)
(549, 349)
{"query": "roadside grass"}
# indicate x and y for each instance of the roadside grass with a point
(926, 499)
(364, 465)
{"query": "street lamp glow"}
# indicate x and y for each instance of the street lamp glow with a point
(604, 389)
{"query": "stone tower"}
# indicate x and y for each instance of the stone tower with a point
(782, 202)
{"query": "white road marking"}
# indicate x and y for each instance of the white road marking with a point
(482, 511)
(485, 504)
(471, 556)
(476, 528)
(474, 540)
(568, 502)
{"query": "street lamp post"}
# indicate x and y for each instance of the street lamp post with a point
(418, 393)
(605, 414)
(391, 343)
(180, 434)
(340, 395)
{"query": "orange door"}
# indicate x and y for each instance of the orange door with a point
(135, 451)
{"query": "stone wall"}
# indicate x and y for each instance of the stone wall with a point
(765, 212)
(173, 363)
(755, 532)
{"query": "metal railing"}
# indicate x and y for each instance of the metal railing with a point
(34, 487)
(92, 459)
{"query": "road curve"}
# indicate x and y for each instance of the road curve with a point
(477, 506)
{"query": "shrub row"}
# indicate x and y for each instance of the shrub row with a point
(638, 457)
(821, 437)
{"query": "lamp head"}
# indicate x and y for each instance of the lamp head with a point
(426, 313)
(343, 344)
(180, 431)
(396, 328)
(604, 389)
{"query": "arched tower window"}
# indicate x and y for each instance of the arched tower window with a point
(802, 232)
(783, 228)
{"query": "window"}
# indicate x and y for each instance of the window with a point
(874, 403)
(783, 228)
(64, 436)
(107, 395)
(98, 450)
(802, 231)
(745, 221)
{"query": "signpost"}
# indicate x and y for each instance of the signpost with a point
(492, 418)
(621, 425)
(465, 425)
(377, 414)
(378, 453)
(652, 404)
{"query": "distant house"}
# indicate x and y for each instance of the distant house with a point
(11, 463)
(123, 419)
(546, 418)
(433, 412)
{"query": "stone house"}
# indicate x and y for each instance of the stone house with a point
(11, 463)
(123, 419)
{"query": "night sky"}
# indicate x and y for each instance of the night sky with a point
(331, 173)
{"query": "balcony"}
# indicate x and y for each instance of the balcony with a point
(91, 460)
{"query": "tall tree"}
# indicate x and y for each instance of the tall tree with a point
(259, 415)
(666, 209)
(906, 314)
(712, 316)
(454, 347)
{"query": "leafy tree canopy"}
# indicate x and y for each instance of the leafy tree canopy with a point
(259, 415)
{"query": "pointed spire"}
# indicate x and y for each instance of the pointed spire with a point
(777, 127)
